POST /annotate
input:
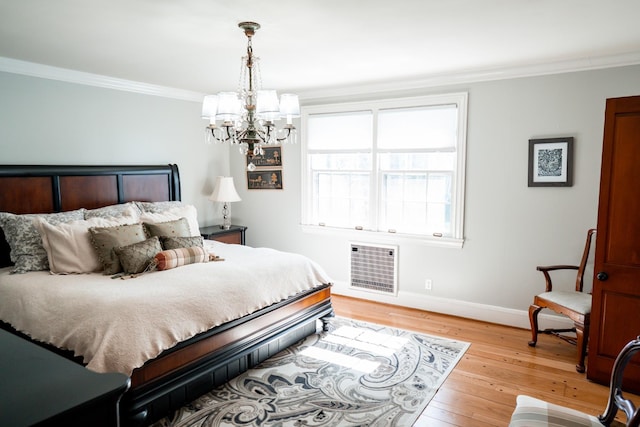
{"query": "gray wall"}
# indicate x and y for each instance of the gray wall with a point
(509, 228)
(52, 122)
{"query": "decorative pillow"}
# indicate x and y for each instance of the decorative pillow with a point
(158, 207)
(122, 210)
(173, 258)
(175, 228)
(27, 252)
(172, 213)
(136, 258)
(105, 239)
(68, 245)
(181, 242)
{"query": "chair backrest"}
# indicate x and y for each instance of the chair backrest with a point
(584, 279)
(616, 400)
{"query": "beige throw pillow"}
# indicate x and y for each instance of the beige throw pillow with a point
(106, 239)
(174, 228)
(68, 245)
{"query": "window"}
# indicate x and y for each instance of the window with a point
(389, 166)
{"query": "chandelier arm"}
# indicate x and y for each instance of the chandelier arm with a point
(218, 136)
(284, 138)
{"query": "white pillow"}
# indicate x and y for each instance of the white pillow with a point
(187, 211)
(68, 245)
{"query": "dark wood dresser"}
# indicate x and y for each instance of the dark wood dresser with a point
(235, 234)
(39, 387)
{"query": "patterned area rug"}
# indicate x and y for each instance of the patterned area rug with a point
(358, 374)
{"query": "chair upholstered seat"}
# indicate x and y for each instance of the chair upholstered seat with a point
(532, 412)
(575, 301)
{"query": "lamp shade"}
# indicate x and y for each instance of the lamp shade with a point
(267, 107)
(229, 106)
(289, 105)
(209, 106)
(224, 190)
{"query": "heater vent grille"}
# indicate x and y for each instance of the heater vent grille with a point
(374, 268)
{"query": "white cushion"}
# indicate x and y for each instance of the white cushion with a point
(577, 301)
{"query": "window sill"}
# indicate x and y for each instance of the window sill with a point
(380, 237)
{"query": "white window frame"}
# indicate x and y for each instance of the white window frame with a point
(458, 192)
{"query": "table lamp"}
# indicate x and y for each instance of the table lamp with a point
(224, 191)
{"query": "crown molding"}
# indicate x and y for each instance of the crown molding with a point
(15, 66)
(473, 76)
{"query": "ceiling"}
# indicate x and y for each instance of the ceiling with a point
(312, 45)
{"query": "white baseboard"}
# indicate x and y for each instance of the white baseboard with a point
(470, 310)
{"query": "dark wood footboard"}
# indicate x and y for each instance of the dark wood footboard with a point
(165, 384)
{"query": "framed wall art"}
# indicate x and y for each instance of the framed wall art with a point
(272, 157)
(265, 179)
(551, 162)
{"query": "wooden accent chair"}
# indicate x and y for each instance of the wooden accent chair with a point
(534, 412)
(574, 304)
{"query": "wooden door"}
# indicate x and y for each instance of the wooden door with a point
(615, 315)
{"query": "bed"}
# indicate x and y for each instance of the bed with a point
(192, 360)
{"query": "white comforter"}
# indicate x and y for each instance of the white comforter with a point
(117, 325)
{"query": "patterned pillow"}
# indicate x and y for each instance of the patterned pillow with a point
(105, 239)
(136, 258)
(175, 228)
(181, 242)
(173, 258)
(27, 252)
(123, 210)
(158, 207)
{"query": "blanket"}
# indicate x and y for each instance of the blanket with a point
(117, 325)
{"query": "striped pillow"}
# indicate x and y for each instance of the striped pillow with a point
(173, 258)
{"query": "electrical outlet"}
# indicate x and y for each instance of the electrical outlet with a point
(427, 284)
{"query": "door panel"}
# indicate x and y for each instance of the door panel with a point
(615, 316)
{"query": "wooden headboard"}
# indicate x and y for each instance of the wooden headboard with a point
(47, 189)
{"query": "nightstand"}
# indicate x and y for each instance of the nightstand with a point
(43, 388)
(235, 234)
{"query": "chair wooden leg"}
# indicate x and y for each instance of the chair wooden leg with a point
(533, 319)
(581, 346)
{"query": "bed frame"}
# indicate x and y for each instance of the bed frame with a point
(191, 368)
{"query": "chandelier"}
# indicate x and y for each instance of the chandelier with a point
(247, 117)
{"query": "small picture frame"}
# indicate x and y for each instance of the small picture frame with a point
(551, 162)
(264, 179)
(272, 157)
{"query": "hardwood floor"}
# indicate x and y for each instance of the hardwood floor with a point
(498, 366)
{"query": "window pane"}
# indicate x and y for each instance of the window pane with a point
(421, 127)
(352, 130)
(341, 161)
(342, 199)
(439, 161)
(416, 203)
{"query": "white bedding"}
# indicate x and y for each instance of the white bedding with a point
(117, 325)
